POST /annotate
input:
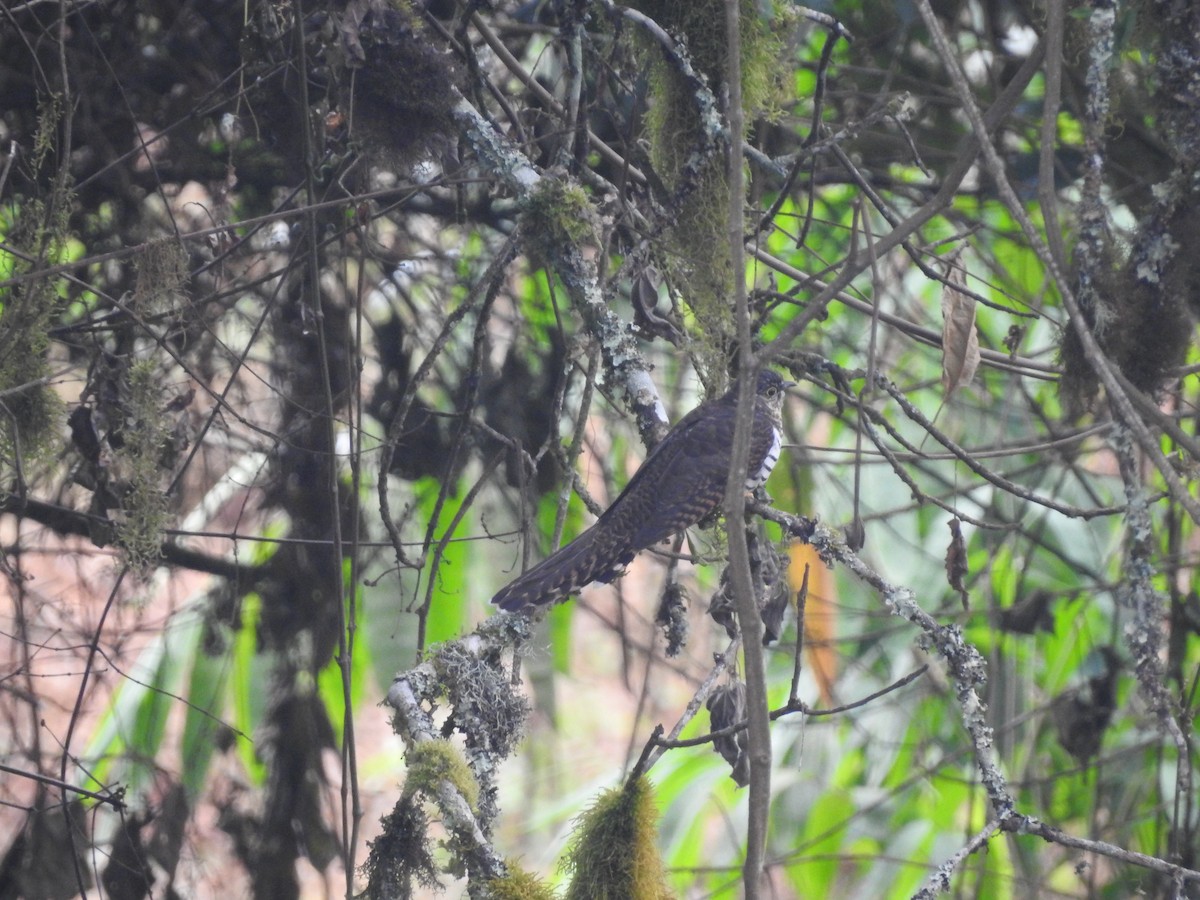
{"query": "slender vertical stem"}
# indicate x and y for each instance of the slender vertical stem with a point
(350, 803)
(758, 732)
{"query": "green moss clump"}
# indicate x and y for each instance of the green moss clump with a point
(557, 214)
(518, 885)
(39, 229)
(432, 762)
(140, 528)
(614, 851)
(703, 23)
(697, 247)
(162, 272)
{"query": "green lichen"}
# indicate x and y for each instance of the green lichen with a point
(50, 112)
(29, 408)
(488, 710)
(37, 229)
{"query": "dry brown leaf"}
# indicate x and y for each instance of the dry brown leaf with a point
(820, 616)
(960, 340)
(956, 560)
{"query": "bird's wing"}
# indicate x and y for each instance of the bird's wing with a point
(681, 482)
(686, 474)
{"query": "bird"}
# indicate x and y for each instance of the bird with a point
(1082, 714)
(680, 483)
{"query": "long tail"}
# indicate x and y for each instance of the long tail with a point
(593, 556)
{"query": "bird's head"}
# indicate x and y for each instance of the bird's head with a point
(771, 387)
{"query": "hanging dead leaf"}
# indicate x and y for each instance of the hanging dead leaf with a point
(820, 615)
(960, 340)
(855, 533)
(727, 707)
(956, 560)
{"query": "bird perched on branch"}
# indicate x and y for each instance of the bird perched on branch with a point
(1082, 714)
(682, 481)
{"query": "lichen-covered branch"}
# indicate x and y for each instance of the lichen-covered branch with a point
(469, 677)
(553, 195)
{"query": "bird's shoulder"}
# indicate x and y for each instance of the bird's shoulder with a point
(706, 428)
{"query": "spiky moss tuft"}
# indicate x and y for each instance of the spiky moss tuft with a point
(432, 762)
(697, 247)
(614, 850)
(518, 885)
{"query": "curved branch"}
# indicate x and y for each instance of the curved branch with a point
(72, 523)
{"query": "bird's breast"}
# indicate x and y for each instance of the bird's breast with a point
(756, 477)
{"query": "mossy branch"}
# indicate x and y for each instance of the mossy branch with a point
(622, 358)
(469, 676)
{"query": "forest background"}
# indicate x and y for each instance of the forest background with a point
(319, 321)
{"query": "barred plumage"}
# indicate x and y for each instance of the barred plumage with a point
(681, 482)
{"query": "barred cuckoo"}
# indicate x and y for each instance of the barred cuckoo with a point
(682, 481)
